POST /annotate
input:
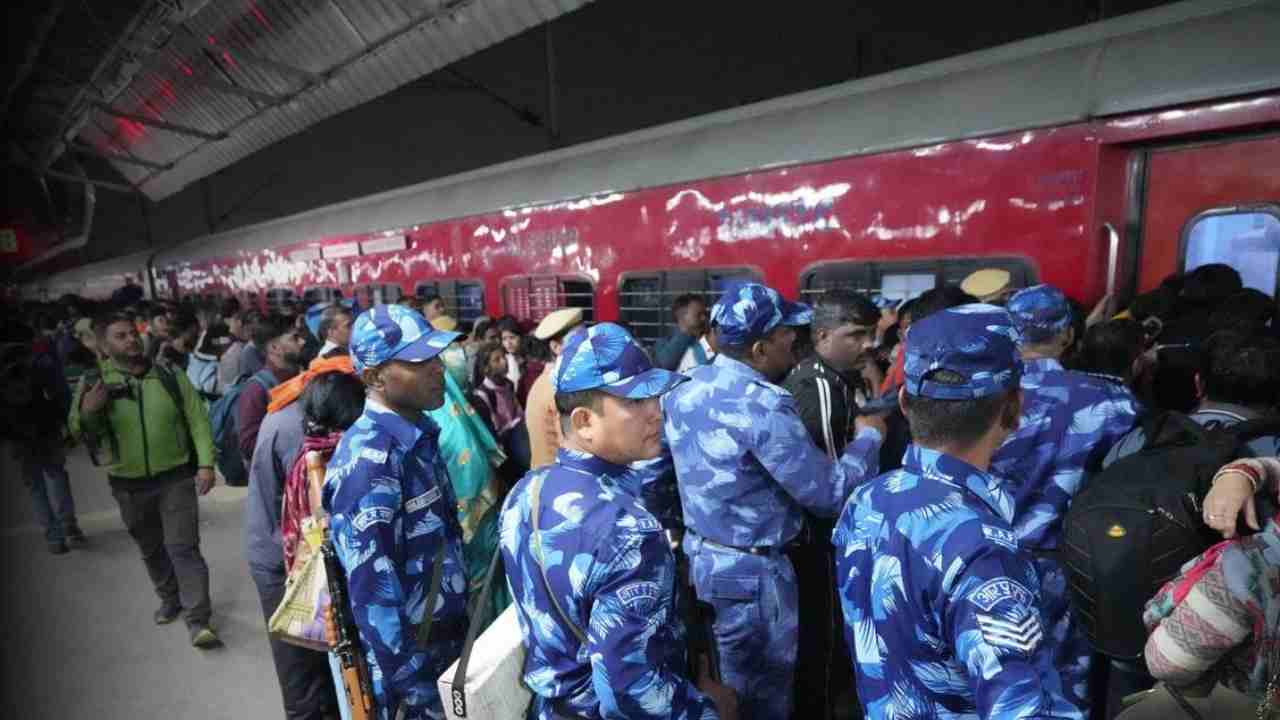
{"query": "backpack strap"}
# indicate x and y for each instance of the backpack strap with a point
(535, 493)
(459, 690)
(1171, 428)
(1254, 429)
(170, 383)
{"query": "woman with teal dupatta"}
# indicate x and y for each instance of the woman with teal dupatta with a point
(472, 456)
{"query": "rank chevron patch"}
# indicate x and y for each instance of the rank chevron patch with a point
(1023, 635)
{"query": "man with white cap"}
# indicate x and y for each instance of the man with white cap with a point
(540, 416)
(393, 514)
(989, 285)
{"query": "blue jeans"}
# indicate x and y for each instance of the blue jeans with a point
(50, 487)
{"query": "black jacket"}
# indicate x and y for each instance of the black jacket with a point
(826, 401)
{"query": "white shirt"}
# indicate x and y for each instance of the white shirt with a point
(689, 360)
(513, 370)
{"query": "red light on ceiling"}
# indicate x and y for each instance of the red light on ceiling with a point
(227, 56)
(212, 40)
(262, 19)
(129, 131)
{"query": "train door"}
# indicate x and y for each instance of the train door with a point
(1213, 203)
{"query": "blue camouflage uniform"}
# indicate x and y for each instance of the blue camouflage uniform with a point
(747, 469)
(1069, 422)
(942, 610)
(610, 644)
(392, 509)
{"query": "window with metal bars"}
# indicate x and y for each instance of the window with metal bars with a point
(279, 299)
(895, 281)
(463, 299)
(313, 295)
(533, 297)
(645, 298)
(378, 294)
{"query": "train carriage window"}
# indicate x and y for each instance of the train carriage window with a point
(532, 297)
(378, 294)
(904, 280)
(313, 295)
(644, 298)
(278, 299)
(463, 299)
(1247, 239)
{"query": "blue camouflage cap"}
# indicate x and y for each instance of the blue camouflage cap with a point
(976, 342)
(605, 357)
(750, 311)
(1039, 313)
(394, 332)
(315, 312)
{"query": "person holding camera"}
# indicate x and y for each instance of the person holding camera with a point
(149, 427)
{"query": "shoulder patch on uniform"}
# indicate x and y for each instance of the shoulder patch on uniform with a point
(369, 517)
(423, 500)
(639, 597)
(373, 455)
(1000, 536)
(987, 595)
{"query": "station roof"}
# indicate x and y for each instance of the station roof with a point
(168, 92)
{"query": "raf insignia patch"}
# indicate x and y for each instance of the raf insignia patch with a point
(1018, 630)
(1000, 536)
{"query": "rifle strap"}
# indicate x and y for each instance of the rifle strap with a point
(428, 611)
(428, 614)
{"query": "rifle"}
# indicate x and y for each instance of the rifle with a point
(341, 625)
(698, 619)
(346, 641)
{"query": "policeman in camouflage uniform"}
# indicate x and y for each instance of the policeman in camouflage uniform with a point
(942, 609)
(747, 470)
(393, 516)
(590, 570)
(1069, 422)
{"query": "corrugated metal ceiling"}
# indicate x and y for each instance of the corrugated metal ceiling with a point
(240, 75)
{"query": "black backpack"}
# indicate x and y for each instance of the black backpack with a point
(1135, 523)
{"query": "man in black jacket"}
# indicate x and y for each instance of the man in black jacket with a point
(828, 388)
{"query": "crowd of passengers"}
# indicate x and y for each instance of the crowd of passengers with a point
(862, 500)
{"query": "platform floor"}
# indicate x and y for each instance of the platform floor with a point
(77, 635)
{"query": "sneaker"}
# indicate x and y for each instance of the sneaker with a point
(168, 613)
(203, 637)
(58, 548)
(76, 538)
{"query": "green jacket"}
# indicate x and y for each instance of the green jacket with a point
(151, 436)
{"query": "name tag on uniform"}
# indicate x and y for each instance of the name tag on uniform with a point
(423, 500)
(373, 455)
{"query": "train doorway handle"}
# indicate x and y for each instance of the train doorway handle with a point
(1113, 257)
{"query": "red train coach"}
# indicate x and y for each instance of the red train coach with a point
(1097, 159)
